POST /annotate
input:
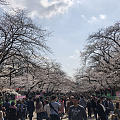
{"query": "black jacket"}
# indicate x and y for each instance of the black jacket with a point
(101, 112)
(77, 113)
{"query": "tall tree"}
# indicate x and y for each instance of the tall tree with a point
(21, 41)
(101, 56)
(3, 2)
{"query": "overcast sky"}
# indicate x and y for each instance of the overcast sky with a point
(70, 21)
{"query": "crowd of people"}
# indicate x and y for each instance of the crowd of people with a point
(54, 108)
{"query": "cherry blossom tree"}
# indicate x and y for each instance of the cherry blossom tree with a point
(101, 59)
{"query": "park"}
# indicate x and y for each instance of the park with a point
(72, 73)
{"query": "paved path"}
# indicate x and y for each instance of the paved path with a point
(64, 118)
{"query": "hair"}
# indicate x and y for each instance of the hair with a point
(77, 98)
(81, 96)
(7, 100)
(12, 103)
(30, 98)
(53, 97)
(46, 101)
(98, 101)
(41, 98)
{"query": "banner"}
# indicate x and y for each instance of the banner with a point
(118, 93)
(20, 97)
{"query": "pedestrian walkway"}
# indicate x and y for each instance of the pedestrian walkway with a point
(64, 118)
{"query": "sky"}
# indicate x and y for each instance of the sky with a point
(70, 23)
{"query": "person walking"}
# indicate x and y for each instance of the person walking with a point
(31, 108)
(39, 109)
(110, 105)
(76, 111)
(101, 110)
(54, 108)
(69, 103)
(47, 109)
(89, 108)
(62, 110)
(12, 114)
(21, 110)
(1, 113)
(83, 102)
(117, 111)
(6, 105)
(94, 105)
